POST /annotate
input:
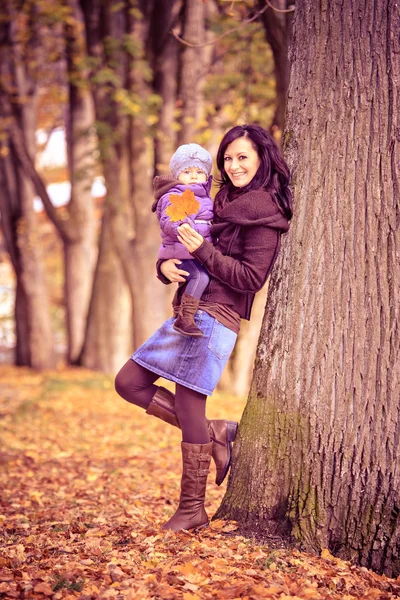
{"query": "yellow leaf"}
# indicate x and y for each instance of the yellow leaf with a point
(186, 569)
(190, 596)
(36, 497)
(182, 205)
(217, 524)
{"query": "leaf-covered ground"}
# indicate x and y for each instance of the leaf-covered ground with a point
(86, 481)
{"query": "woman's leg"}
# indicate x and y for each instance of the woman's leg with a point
(135, 384)
(196, 450)
(190, 408)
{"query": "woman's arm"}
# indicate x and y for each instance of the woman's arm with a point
(260, 245)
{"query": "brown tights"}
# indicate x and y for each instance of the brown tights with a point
(136, 385)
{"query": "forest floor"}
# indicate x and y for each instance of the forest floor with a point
(86, 481)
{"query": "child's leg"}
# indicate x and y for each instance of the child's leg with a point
(198, 278)
(197, 282)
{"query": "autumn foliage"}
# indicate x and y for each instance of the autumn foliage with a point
(182, 205)
(87, 479)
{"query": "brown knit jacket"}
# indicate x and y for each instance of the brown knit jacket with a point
(246, 234)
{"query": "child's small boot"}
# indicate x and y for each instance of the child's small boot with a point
(184, 322)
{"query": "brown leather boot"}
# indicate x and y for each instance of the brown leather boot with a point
(191, 513)
(222, 433)
(184, 322)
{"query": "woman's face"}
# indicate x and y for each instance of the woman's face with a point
(241, 161)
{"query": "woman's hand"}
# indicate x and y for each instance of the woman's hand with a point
(170, 270)
(189, 237)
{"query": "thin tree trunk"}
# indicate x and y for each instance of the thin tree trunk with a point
(277, 27)
(108, 331)
(36, 347)
(147, 292)
(191, 69)
(10, 212)
(318, 450)
(128, 168)
(108, 336)
(80, 251)
(165, 68)
(245, 349)
(32, 304)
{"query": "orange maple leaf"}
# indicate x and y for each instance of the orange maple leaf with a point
(182, 205)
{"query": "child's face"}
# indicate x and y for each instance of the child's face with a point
(192, 175)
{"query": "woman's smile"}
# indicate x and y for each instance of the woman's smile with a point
(241, 161)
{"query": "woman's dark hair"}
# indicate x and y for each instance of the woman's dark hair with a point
(272, 174)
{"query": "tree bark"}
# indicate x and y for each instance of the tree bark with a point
(318, 452)
(165, 50)
(35, 343)
(192, 72)
(277, 27)
(130, 231)
(108, 337)
(10, 212)
(245, 349)
(147, 292)
(80, 251)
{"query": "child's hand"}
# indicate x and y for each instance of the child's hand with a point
(189, 237)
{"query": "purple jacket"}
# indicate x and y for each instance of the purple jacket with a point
(163, 187)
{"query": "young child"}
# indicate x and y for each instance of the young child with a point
(190, 168)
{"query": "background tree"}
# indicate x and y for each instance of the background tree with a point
(192, 69)
(165, 60)
(318, 453)
(117, 36)
(277, 21)
(80, 243)
(20, 54)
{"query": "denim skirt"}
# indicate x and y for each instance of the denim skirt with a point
(195, 362)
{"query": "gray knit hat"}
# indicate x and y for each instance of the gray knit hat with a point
(190, 155)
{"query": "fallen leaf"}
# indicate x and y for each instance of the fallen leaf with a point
(43, 588)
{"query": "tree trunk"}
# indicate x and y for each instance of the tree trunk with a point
(34, 336)
(32, 311)
(80, 250)
(245, 349)
(108, 338)
(318, 451)
(277, 27)
(10, 212)
(191, 70)
(127, 156)
(165, 69)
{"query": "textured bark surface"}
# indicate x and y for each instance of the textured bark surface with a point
(278, 26)
(318, 450)
(34, 337)
(108, 335)
(165, 49)
(130, 233)
(191, 69)
(80, 247)
(35, 343)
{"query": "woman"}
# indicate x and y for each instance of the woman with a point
(251, 211)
